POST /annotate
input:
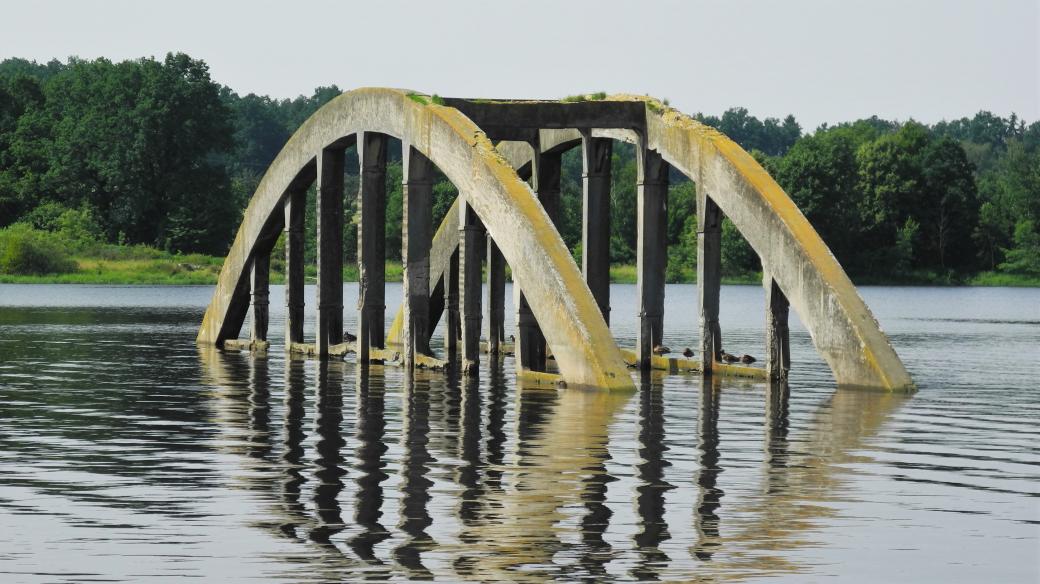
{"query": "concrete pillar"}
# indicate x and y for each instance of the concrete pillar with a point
(709, 277)
(451, 310)
(778, 335)
(417, 234)
(595, 224)
(259, 287)
(496, 274)
(371, 242)
(545, 179)
(294, 268)
(329, 330)
(651, 251)
(471, 256)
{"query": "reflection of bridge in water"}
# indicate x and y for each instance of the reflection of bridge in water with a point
(442, 480)
(500, 219)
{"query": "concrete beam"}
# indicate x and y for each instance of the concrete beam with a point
(596, 156)
(778, 335)
(471, 257)
(496, 275)
(371, 242)
(452, 328)
(651, 250)
(513, 119)
(709, 277)
(545, 182)
(294, 268)
(417, 235)
(260, 296)
(329, 329)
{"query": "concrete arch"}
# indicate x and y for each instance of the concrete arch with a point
(559, 298)
(793, 255)
(842, 328)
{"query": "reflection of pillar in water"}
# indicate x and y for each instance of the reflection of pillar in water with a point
(496, 435)
(415, 497)
(329, 462)
(259, 409)
(293, 455)
(777, 394)
(370, 429)
(706, 519)
(469, 446)
(650, 501)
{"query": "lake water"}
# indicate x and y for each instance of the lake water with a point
(128, 454)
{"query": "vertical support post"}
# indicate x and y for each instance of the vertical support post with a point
(496, 273)
(596, 156)
(451, 309)
(329, 330)
(471, 255)
(417, 235)
(652, 250)
(545, 179)
(709, 278)
(259, 288)
(294, 218)
(778, 335)
(371, 243)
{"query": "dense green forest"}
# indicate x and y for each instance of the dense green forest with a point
(96, 154)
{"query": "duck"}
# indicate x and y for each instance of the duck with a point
(688, 353)
(349, 337)
(747, 359)
(661, 350)
(728, 358)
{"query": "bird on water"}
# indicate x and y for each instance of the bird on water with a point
(688, 353)
(661, 350)
(349, 337)
(747, 359)
(728, 358)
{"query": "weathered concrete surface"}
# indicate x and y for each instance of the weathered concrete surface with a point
(472, 246)
(329, 219)
(651, 249)
(841, 326)
(596, 156)
(585, 352)
(371, 242)
(294, 269)
(709, 277)
(417, 240)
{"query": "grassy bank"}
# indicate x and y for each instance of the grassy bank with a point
(148, 266)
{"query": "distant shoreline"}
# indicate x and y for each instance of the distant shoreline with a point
(189, 270)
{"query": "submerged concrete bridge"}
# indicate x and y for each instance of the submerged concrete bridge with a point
(500, 218)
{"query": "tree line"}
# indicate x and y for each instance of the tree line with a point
(155, 152)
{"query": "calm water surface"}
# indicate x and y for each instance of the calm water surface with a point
(128, 454)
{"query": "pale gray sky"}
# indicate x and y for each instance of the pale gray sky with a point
(822, 60)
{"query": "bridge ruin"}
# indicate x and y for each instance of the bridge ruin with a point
(504, 156)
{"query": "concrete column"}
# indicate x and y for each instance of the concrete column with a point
(371, 242)
(294, 218)
(496, 274)
(451, 309)
(778, 335)
(417, 234)
(471, 256)
(329, 330)
(545, 179)
(595, 224)
(259, 287)
(651, 251)
(709, 277)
